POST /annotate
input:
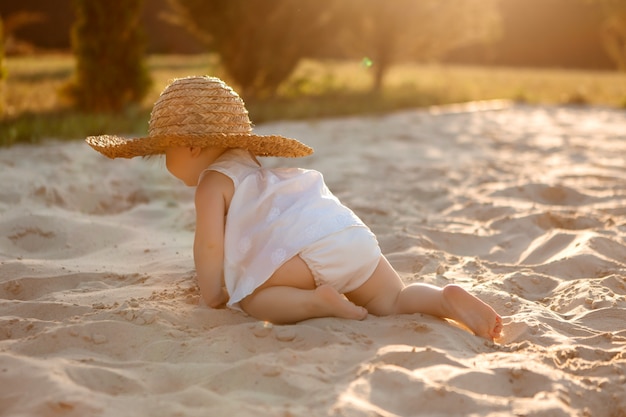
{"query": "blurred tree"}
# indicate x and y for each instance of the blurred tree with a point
(546, 33)
(259, 42)
(614, 30)
(108, 43)
(3, 72)
(12, 23)
(391, 31)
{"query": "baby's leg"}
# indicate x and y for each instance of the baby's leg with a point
(384, 294)
(284, 305)
(290, 295)
(451, 302)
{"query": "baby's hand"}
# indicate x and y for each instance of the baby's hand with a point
(219, 301)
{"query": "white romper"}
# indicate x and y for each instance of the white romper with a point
(278, 213)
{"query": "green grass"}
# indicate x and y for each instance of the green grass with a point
(34, 110)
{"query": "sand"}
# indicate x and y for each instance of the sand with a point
(524, 206)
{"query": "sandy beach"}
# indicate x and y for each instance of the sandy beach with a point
(525, 206)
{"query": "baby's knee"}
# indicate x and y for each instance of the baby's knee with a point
(249, 306)
(380, 293)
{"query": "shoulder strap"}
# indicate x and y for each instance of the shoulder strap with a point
(236, 164)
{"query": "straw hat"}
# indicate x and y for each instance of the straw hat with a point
(203, 112)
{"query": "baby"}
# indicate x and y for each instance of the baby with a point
(276, 243)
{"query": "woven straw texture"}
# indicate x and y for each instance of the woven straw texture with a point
(203, 112)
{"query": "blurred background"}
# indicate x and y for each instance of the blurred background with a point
(71, 68)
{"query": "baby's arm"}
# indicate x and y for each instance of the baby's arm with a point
(208, 248)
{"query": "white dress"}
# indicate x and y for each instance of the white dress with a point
(274, 214)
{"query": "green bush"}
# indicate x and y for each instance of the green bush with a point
(109, 44)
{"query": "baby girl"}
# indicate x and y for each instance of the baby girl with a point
(276, 243)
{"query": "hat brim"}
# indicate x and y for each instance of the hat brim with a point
(261, 145)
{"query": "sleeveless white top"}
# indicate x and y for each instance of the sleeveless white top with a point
(274, 214)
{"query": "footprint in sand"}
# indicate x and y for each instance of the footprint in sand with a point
(529, 285)
(68, 287)
(553, 195)
(56, 237)
(413, 359)
(109, 381)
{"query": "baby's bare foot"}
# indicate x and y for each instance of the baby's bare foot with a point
(471, 312)
(338, 305)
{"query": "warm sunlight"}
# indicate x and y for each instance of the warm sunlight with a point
(303, 208)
